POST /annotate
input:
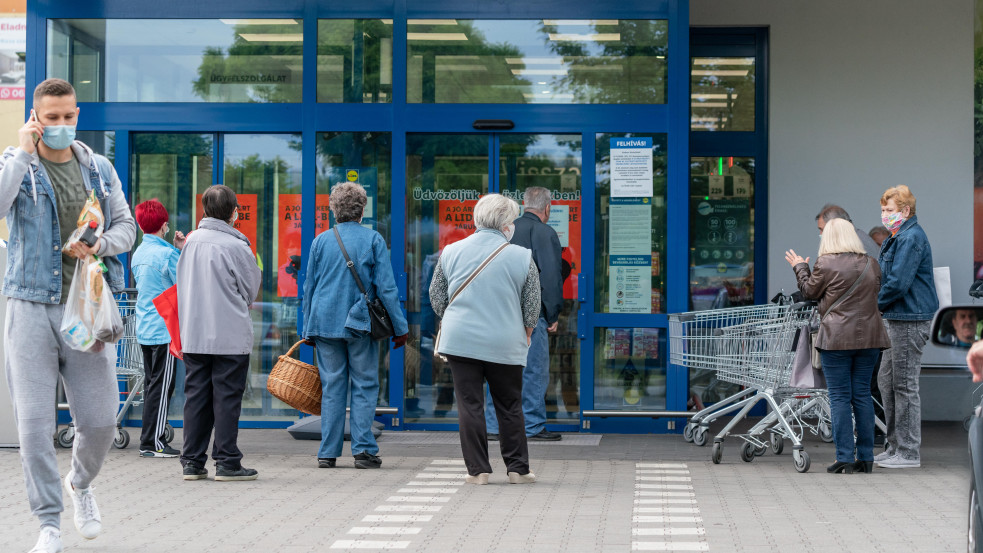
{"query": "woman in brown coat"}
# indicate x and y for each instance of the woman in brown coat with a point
(845, 281)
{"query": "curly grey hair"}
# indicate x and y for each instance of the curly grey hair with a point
(494, 211)
(347, 201)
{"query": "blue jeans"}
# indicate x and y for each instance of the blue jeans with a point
(344, 362)
(535, 379)
(848, 373)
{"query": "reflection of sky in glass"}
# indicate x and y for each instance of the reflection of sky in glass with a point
(268, 147)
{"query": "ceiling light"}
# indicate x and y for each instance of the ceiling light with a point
(540, 82)
(720, 72)
(723, 61)
(703, 97)
(709, 104)
(259, 21)
(539, 71)
(591, 37)
(580, 22)
(436, 36)
(432, 22)
(533, 61)
(387, 21)
(272, 37)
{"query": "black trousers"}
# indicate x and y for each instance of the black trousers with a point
(505, 385)
(158, 388)
(213, 389)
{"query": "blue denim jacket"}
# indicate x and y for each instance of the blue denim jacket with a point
(154, 268)
(331, 297)
(908, 279)
(27, 200)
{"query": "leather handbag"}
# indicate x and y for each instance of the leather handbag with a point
(380, 325)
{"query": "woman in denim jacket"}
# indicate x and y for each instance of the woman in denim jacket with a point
(908, 302)
(336, 322)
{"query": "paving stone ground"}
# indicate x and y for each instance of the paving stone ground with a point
(627, 493)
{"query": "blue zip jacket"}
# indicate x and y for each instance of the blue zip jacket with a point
(333, 305)
(27, 200)
(907, 275)
(154, 268)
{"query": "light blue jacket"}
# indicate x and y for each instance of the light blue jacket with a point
(154, 268)
(333, 305)
(27, 200)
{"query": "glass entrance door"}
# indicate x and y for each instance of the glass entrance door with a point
(446, 175)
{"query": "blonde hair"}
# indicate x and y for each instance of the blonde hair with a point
(839, 236)
(902, 197)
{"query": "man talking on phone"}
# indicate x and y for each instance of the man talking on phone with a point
(44, 183)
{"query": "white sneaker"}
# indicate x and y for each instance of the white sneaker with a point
(48, 542)
(87, 519)
(480, 479)
(899, 462)
(883, 456)
(516, 478)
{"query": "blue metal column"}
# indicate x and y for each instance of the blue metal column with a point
(308, 177)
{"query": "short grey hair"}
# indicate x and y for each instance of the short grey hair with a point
(832, 211)
(348, 201)
(494, 211)
(536, 198)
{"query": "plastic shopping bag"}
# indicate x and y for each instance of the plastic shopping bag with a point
(91, 213)
(91, 314)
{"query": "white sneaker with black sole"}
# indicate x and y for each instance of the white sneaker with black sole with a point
(48, 542)
(87, 519)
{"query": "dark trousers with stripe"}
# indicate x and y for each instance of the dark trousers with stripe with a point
(158, 388)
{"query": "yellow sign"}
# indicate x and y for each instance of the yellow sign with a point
(352, 175)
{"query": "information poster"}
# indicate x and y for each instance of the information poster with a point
(368, 177)
(631, 167)
(630, 249)
(246, 223)
(565, 220)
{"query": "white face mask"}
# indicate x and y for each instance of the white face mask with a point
(509, 231)
(235, 215)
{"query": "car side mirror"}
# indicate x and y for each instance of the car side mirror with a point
(957, 326)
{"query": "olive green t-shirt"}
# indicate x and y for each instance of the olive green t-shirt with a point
(70, 196)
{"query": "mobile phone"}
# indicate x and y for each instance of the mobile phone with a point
(34, 135)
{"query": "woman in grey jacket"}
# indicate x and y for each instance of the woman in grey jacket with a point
(485, 333)
(217, 280)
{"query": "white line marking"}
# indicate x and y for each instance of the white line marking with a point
(429, 490)
(661, 471)
(669, 546)
(397, 518)
(669, 510)
(669, 531)
(407, 508)
(664, 478)
(441, 475)
(660, 465)
(461, 483)
(690, 500)
(664, 486)
(447, 462)
(445, 469)
(665, 494)
(367, 544)
(418, 499)
(386, 530)
(673, 520)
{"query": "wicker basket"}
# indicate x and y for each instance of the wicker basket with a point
(296, 383)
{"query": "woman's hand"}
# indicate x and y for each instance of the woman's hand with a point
(794, 258)
(529, 330)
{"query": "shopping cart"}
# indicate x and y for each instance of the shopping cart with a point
(750, 347)
(129, 373)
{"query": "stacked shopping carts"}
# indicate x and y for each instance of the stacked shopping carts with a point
(752, 347)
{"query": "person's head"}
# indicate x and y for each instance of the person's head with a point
(879, 234)
(839, 236)
(152, 217)
(898, 199)
(495, 211)
(219, 201)
(537, 200)
(828, 213)
(55, 106)
(964, 325)
(348, 201)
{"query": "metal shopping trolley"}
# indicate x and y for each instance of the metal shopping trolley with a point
(748, 346)
(129, 373)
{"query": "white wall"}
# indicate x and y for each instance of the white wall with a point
(864, 96)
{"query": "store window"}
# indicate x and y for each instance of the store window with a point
(355, 60)
(548, 61)
(722, 94)
(101, 142)
(630, 215)
(630, 368)
(362, 157)
(178, 60)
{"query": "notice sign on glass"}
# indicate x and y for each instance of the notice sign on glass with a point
(630, 271)
(631, 167)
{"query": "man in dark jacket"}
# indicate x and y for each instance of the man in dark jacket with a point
(531, 231)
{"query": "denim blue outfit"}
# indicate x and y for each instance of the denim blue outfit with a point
(848, 373)
(154, 268)
(533, 385)
(336, 318)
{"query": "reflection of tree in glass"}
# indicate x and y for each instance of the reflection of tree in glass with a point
(254, 70)
(349, 60)
(631, 70)
(724, 102)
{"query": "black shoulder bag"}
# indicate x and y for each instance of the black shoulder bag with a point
(381, 326)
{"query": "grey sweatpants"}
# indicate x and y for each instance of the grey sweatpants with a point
(898, 381)
(35, 356)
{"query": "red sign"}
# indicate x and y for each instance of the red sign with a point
(455, 220)
(568, 230)
(246, 223)
(12, 92)
(290, 223)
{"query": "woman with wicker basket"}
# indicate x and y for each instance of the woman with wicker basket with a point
(336, 322)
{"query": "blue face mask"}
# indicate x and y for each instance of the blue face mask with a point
(58, 137)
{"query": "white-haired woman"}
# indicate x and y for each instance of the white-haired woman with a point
(485, 333)
(845, 280)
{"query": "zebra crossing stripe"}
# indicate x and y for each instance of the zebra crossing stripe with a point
(660, 500)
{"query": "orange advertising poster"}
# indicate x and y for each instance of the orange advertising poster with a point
(565, 220)
(289, 249)
(246, 223)
(455, 220)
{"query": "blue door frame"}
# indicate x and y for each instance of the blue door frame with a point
(401, 118)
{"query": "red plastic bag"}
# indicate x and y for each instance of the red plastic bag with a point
(166, 304)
